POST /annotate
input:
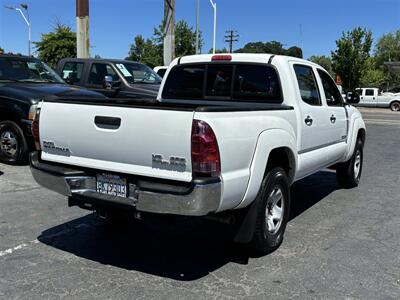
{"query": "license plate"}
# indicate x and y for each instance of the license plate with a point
(112, 185)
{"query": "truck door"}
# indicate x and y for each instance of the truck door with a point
(369, 98)
(314, 122)
(337, 117)
(95, 78)
(72, 72)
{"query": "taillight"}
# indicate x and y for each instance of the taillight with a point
(205, 153)
(35, 129)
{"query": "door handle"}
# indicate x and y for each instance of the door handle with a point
(107, 122)
(333, 119)
(308, 121)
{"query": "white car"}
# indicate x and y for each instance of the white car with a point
(227, 138)
(371, 97)
(160, 70)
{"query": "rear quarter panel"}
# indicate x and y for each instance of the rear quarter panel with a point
(239, 135)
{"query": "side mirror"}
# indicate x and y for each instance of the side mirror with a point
(354, 98)
(109, 83)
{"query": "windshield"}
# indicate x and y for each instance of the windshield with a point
(16, 69)
(138, 73)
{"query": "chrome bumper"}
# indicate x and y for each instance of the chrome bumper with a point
(201, 199)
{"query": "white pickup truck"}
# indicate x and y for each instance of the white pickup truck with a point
(371, 97)
(228, 136)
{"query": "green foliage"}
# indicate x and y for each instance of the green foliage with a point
(323, 61)
(146, 51)
(1, 50)
(350, 58)
(295, 52)
(58, 44)
(272, 47)
(223, 50)
(388, 49)
(150, 51)
(371, 75)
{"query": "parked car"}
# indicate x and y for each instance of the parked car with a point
(371, 97)
(230, 134)
(160, 70)
(111, 77)
(24, 81)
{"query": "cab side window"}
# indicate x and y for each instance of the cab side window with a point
(332, 94)
(369, 92)
(72, 72)
(98, 71)
(307, 84)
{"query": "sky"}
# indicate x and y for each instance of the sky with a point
(314, 25)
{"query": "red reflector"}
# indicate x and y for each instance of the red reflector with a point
(205, 152)
(221, 57)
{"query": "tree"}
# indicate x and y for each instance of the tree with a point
(146, 51)
(372, 76)
(388, 49)
(58, 44)
(295, 52)
(185, 39)
(272, 47)
(1, 50)
(323, 61)
(350, 57)
(150, 51)
(223, 50)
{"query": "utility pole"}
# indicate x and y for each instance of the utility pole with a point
(169, 31)
(197, 27)
(82, 27)
(231, 37)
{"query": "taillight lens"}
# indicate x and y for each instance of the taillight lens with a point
(35, 129)
(205, 153)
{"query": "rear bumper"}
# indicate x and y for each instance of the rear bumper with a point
(202, 197)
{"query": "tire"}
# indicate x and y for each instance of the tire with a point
(348, 174)
(395, 106)
(13, 146)
(270, 225)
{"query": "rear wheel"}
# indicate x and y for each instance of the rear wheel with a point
(348, 174)
(273, 203)
(13, 146)
(395, 106)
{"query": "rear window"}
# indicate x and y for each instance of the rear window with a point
(185, 82)
(238, 82)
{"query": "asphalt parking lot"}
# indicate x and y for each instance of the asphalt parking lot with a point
(338, 244)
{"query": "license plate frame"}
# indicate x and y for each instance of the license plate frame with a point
(111, 185)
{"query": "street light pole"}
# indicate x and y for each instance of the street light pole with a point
(214, 5)
(27, 21)
(197, 26)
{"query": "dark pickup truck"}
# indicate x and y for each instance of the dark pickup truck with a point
(24, 81)
(111, 77)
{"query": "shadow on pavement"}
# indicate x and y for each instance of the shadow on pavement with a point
(183, 249)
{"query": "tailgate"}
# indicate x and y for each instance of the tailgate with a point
(140, 141)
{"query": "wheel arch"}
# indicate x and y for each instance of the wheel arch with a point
(274, 148)
(394, 101)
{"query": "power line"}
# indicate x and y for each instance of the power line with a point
(231, 37)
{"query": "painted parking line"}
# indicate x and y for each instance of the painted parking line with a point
(36, 241)
(19, 247)
(382, 122)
